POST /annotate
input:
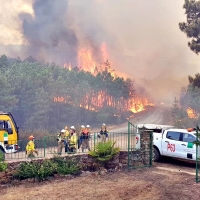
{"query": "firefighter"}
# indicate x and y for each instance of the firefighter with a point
(86, 138)
(72, 140)
(61, 141)
(103, 134)
(80, 140)
(30, 148)
(66, 139)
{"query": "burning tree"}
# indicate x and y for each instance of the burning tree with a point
(47, 96)
(189, 103)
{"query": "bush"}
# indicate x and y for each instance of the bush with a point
(3, 165)
(39, 171)
(67, 165)
(104, 151)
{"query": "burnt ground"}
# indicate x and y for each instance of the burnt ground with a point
(168, 179)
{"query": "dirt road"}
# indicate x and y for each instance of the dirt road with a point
(154, 115)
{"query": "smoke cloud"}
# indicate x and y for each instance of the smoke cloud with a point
(142, 37)
(49, 33)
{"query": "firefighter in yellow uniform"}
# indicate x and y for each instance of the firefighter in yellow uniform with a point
(30, 148)
(72, 140)
(66, 139)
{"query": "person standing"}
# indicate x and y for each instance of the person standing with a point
(72, 140)
(66, 139)
(103, 133)
(80, 137)
(86, 138)
(88, 128)
(30, 147)
(61, 141)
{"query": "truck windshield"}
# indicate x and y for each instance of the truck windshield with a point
(4, 125)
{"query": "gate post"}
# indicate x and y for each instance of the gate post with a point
(128, 144)
(140, 149)
(197, 154)
(44, 142)
(151, 149)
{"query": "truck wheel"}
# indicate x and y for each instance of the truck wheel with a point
(2, 155)
(156, 154)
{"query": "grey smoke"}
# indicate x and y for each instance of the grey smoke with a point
(142, 36)
(49, 32)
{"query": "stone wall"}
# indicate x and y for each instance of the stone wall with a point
(137, 158)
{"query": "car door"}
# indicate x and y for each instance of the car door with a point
(171, 144)
(188, 149)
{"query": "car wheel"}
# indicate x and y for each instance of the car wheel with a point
(156, 155)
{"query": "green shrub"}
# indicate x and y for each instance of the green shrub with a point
(104, 151)
(39, 171)
(3, 165)
(46, 169)
(1, 157)
(67, 165)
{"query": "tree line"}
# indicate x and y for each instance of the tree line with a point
(47, 96)
(186, 109)
(189, 100)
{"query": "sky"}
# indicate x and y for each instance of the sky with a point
(142, 38)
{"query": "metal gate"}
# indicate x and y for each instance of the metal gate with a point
(197, 142)
(140, 145)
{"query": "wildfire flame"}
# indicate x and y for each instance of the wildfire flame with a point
(85, 60)
(96, 100)
(68, 66)
(191, 113)
(59, 99)
(138, 104)
(87, 63)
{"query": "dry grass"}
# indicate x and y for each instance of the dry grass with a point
(149, 184)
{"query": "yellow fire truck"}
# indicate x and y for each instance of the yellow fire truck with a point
(8, 134)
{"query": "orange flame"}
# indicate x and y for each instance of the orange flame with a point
(95, 100)
(138, 104)
(191, 113)
(85, 60)
(68, 66)
(59, 99)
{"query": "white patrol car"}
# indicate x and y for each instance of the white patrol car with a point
(172, 142)
(177, 143)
